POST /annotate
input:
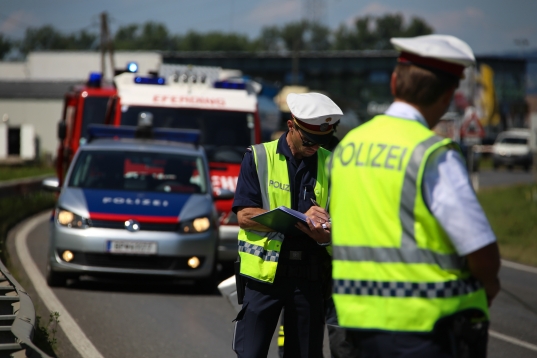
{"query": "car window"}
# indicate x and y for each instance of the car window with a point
(139, 171)
(514, 140)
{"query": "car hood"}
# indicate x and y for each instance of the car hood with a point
(141, 206)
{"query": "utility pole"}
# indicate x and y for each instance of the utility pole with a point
(107, 45)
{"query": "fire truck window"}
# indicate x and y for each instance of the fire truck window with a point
(139, 171)
(94, 113)
(224, 134)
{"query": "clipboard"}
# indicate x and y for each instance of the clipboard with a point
(282, 219)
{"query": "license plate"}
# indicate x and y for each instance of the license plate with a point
(132, 247)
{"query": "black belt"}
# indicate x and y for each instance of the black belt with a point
(299, 265)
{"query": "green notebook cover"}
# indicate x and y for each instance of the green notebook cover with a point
(282, 219)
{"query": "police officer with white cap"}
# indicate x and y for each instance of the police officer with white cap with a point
(415, 261)
(286, 271)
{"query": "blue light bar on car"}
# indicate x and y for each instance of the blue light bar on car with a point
(191, 136)
(230, 85)
(149, 80)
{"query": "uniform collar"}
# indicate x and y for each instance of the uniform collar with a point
(406, 111)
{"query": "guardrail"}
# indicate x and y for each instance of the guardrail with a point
(17, 312)
(17, 319)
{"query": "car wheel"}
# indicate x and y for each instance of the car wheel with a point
(56, 279)
(510, 168)
(495, 166)
(527, 167)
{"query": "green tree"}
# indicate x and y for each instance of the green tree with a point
(5, 45)
(48, 38)
(375, 33)
(297, 36)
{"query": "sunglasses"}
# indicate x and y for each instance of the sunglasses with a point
(307, 143)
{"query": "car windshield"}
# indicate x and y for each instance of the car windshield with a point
(224, 134)
(139, 171)
(93, 113)
(514, 140)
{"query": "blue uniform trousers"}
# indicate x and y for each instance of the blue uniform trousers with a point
(303, 315)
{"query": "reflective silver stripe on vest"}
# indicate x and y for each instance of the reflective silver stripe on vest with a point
(445, 289)
(408, 195)
(393, 255)
(262, 173)
(259, 251)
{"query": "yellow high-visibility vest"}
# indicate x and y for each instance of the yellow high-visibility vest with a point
(394, 267)
(260, 251)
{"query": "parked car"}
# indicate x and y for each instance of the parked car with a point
(136, 207)
(512, 148)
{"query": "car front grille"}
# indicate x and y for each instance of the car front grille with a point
(107, 224)
(141, 262)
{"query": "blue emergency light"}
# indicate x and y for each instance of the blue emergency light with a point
(99, 131)
(95, 79)
(149, 80)
(230, 85)
(132, 67)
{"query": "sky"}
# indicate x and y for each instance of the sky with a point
(488, 26)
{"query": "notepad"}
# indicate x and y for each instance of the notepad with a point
(282, 219)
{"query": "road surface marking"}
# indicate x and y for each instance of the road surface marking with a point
(69, 326)
(520, 267)
(512, 340)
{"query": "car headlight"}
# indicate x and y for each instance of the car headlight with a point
(196, 225)
(70, 219)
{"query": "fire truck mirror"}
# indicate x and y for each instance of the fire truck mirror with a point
(62, 130)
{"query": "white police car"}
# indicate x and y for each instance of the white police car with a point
(135, 206)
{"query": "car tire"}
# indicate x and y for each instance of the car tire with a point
(495, 166)
(56, 279)
(527, 168)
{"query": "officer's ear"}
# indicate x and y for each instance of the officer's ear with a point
(393, 84)
(290, 124)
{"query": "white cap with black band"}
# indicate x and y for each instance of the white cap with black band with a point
(315, 114)
(442, 53)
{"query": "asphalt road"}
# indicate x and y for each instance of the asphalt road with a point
(503, 177)
(144, 319)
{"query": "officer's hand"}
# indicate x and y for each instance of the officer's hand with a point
(316, 231)
(318, 215)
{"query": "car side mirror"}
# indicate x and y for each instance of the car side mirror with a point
(51, 184)
(223, 194)
(62, 130)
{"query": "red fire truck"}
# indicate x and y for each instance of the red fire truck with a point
(216, 102)
(84, 104)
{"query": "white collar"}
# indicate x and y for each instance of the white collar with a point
(406, 111)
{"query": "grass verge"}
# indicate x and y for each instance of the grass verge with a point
(19, 172)
(512, 212)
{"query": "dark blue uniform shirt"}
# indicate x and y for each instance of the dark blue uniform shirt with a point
(302, 179)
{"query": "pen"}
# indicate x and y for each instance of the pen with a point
(317, 204)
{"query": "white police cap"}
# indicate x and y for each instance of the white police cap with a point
(440, 52)
(314, 113)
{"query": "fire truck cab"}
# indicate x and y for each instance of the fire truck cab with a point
(83, 105)
(218, 103)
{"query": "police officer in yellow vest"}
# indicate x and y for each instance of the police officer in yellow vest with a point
(286, 271)
(415, 262)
